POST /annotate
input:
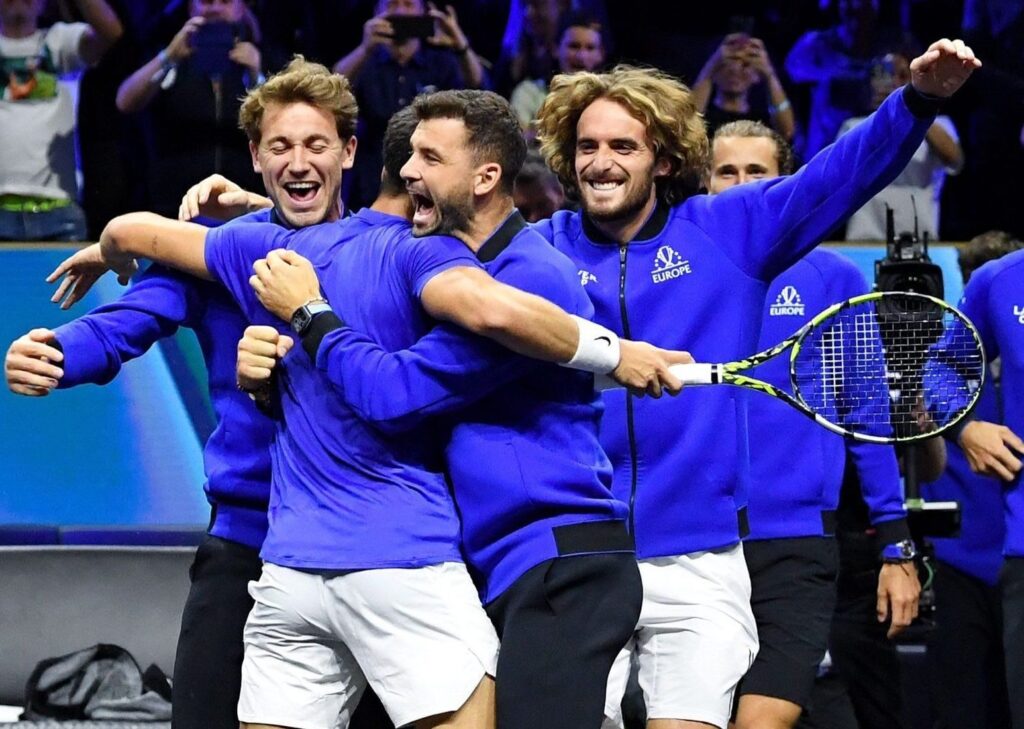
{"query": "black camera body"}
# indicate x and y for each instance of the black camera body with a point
(907, 267)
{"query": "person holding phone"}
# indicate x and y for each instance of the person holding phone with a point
(191, 89)
(409, 47)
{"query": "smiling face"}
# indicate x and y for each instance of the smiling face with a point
(440, 176)
(615, 164)
(736, 160)
(300, 157)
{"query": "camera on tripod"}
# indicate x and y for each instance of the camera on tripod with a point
(907, 267)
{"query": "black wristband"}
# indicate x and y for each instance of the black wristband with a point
(923, 106)
(461, 51)
(890, 532)
(319, 327)
(952, 433)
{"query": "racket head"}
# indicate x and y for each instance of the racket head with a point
(888, 367)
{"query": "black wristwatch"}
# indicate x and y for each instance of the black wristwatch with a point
(899, 552)
(303, 316)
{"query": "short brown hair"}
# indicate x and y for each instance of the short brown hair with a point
(492, 127)
(301, 81)
(661, 102)
(751, 128)
(986, 247)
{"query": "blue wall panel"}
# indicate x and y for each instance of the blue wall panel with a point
(126, 453)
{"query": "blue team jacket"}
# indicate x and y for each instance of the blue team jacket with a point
(237, 455)
(529, 476)
(695, 278)
(994, 301)
(796, 466)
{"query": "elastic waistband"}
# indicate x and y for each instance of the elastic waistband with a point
(592, 536)
(31, 203)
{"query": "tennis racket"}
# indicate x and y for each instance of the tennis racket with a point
(884, 367)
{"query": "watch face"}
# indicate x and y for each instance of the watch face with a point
(300, 320)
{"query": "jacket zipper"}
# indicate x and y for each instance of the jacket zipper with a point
(629, 397)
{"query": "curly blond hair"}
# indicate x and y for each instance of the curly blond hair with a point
(675, 129)
(301, 81)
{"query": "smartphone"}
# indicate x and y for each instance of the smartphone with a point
(411, 26)
(211, 44)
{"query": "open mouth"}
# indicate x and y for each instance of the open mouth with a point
(423, 209)
(302, 192)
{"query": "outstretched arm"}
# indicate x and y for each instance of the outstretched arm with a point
(781, 219)
(522, 322)
(135, 235)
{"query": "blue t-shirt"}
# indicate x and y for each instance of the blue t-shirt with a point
(344, 495)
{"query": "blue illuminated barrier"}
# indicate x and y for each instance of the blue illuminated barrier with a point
(125, 457)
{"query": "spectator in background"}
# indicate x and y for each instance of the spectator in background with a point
(968, 629)
(38, 188)
(192, 90)
(914, 195)
(389, 69)
(529, 48)
(537, 192)
(722, 91)
(837, 63)
(581, 47)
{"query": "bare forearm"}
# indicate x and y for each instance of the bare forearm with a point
(781, 110)
(701, 89)
(472, 69)
(179, 245)
(106, 28)
(136, 91)
(944, 146)
(353, 63)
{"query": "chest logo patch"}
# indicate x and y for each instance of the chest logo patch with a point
(586, 277)
(787, 303)
(668, 264)
(1018, 311)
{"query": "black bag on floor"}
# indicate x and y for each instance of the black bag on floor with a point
(103, 682)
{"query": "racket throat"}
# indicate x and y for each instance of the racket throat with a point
(697, 373)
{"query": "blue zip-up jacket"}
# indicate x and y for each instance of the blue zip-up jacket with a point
(529, 476)
(796, 474)
(978, 550)
(344, 495)
(695, 278)
(994, 300)
(236, 456)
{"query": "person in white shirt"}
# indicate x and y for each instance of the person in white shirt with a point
(38, 188)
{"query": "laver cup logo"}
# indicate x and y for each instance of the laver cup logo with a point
(668, 264)
(1018, 311)
(787, 303)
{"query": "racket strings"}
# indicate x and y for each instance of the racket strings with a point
(895, 366)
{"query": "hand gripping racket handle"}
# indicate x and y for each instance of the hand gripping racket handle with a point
(696, 373)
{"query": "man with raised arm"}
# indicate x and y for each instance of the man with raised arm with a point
(693, 271)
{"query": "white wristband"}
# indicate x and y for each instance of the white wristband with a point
(597, 350)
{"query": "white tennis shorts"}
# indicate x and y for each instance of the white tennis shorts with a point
(695, 640)
(313, 641)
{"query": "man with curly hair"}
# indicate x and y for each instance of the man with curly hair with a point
(691, 272)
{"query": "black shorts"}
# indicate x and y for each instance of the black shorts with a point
(793, 595)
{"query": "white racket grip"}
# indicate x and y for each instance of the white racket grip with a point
(696, 373)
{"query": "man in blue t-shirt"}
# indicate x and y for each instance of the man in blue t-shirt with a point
(796, 469)
(692, 271)
(539, 522)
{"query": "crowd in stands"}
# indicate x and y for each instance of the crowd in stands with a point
(156, 107)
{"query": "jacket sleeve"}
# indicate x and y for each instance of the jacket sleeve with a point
(765, 227)
(446, 370)
(97, 344)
